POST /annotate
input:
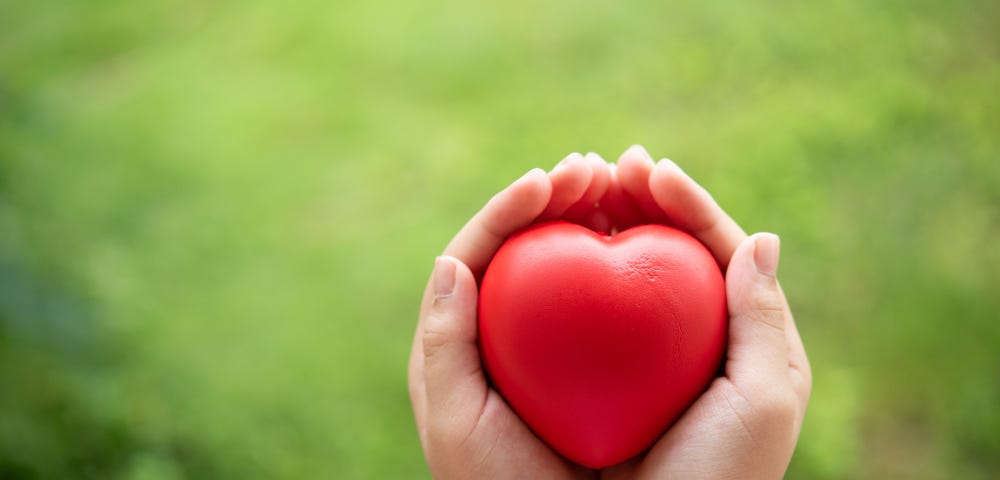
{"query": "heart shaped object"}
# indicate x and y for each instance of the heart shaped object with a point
(600, 343)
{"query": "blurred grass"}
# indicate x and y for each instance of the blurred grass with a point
(216, 219)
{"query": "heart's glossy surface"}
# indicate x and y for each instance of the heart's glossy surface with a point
(600, 343)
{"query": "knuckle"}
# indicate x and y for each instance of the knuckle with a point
(767, 407)
(436, 333)
(777, 408)
(766, 309)
(438, 438)
(766, 412)
(767, 301)
(434, 341)
(802, 380)
(447, 435)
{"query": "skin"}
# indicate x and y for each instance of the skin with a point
(746, 423)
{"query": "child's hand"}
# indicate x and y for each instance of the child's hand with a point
(466, 428)
(747, 423)
(744, 426)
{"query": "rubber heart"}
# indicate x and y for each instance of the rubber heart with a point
(600, 343)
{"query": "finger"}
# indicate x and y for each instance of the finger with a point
(618, 205)
(758, 344)
(600, 176)
(515, 207)
(453, 377)
(584, 211)
(570, 179)
(634, 167)
(691, 208)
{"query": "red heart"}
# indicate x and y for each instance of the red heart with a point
(600, 342)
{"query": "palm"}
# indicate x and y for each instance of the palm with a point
(506, 441)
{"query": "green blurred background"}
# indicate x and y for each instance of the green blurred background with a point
(217, 218)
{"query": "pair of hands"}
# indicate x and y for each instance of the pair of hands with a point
(746, 423)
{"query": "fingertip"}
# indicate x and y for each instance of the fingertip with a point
(534, 186)
(455, 296)
(600, 167)
(571, 171)
(767, 250)
(595, 159)
(594, 156)
(600, 176)
(741, 261)
(581, 211)
(663, 183)
(465, 282)
(638, 147)
(635, 166)
(662, 175)
(444, 277)
(534, 174)
(669, 164)
(568, 159)
(570, 181)
(636, 156)
(750, 279)
(668, 170)
(636, 152)
(568, 162)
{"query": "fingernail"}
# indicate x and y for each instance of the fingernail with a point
(767, 248)
(444, 277)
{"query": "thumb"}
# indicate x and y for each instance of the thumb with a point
(758, 346)
(453, 376)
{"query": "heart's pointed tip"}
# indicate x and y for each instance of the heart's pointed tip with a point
(598, 463)
(601, 454)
